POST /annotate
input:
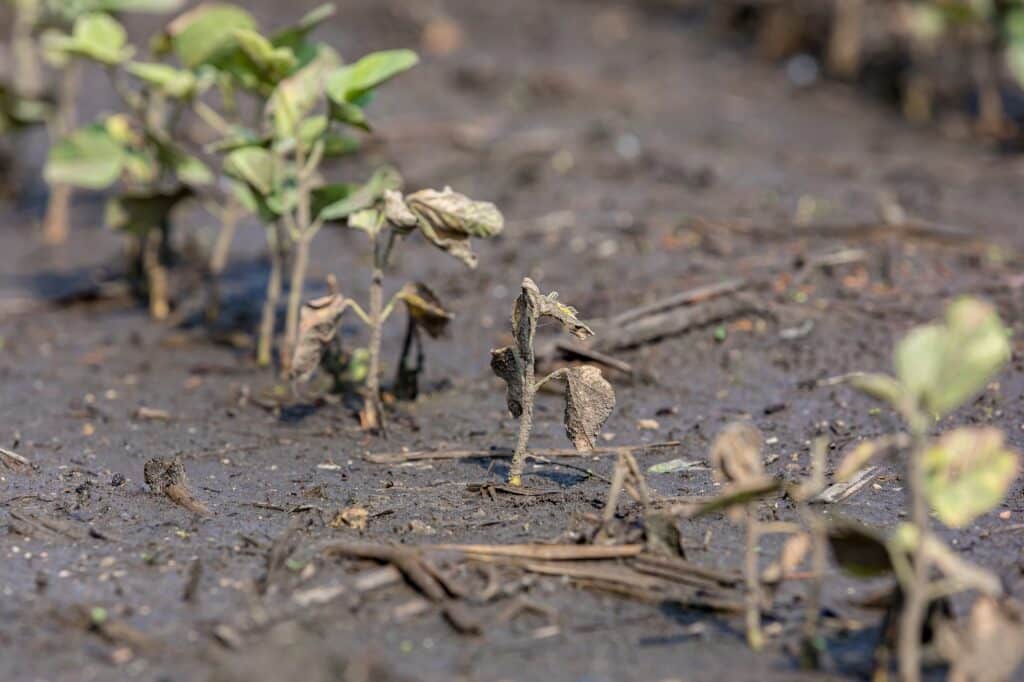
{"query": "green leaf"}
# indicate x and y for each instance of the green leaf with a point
(880, 387)
(349, 114)
(252, 202)
(294, 36)
(169, 80)
(363, 197)
(206, 32)
(95, 36)
(142, 6)
(367, 220)
(141, 212)
(349, 83)
(296, 96)
(192, 171)
(274, 62)
(968, 473)
(253, 165)
(89, 157)
(943, 365)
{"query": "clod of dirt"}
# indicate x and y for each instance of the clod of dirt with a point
(167, 477)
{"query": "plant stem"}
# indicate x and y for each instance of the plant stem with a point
(156, 276)
(754, 636)
(915, 594)
(372, 416)
(230, 217)
(56, 223)
(305, 230)
(27, 71)
(515, 472)
(265, 344)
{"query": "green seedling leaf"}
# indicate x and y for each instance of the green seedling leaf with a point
(295, 36)
(295, 97)
(141, 212)
(318, 326)
(96, 36)
(274, 62)
(192, 171)
(349, 114)
(241, 137)
(505, 364)
(740, 495)
(672, 466)
(880, 387)
(968, 473)
(859, 550)
(253, 165)
(589, 401)
(18, 112)
(89, 158)
(368, 220)
(349, 84)
(169, 80)
(382, 181)
(736, 454)
(251, 201)
(207, 32)
(141, 6)
(425, 308)
(943, 365)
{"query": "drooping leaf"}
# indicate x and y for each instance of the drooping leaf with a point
(96, 36)
(253, 165)
(169, 80)
(383, 180)
(451, 213)
(206, 32)
(859, 550)
(736, 453)
(89, 157)
(138, 213)
(349, 84)
(566, 315)
(425, 308)
(968, 473)
(318, 325)
(505, 364)
(943, 365)
(589, 401)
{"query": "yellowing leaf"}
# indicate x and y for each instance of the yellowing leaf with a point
(968, 473)
(589, 401)
(425, 308)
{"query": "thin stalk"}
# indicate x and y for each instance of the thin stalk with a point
(230, 218)
(305, 229)
(27, 71)
(372, 416)
(755, 638)
(264, 348)
(156, 276)
(56, 223)
(915, 592)
(515, 472)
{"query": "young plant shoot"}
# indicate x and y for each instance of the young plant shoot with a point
(589, 398)
(446, 219)
(960, 476)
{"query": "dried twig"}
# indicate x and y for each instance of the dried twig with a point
(13, 459)
(545, 552)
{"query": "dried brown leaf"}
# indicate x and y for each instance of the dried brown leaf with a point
(589, 401)
(318, 325)
(425, 308)
(736, 453)
(505, 364)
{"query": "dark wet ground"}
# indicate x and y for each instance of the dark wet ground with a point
(631, 163)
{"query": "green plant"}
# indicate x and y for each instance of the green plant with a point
(958, 476)
(447, 219)
(306, 92)
(589, 398)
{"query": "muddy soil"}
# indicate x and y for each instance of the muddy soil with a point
(634, 156)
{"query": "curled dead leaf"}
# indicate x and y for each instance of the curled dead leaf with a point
(794, 551)
(449, 219)
(318, 325)
(589, 401)
(425, 308)
(505, 364)
(736, 453)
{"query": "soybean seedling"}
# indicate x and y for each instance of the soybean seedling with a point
(589, 398)
(446, 219)
(960, 476)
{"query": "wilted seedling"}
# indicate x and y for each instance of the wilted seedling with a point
(589, 398)
(960, 476)
(448, 220)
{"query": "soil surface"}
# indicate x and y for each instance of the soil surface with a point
(635, 156)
